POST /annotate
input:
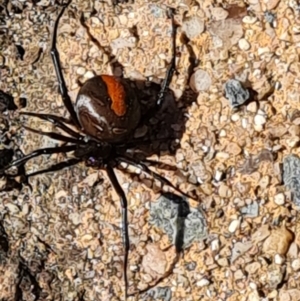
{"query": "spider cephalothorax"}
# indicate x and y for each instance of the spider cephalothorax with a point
(95, 154)
(106, 114)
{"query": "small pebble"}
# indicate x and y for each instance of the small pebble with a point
(193, 27)
(292, 141)
(272, 295)
(278, 259)
(233, 148)
(259, 119)
(235, 117)
(294, 130)
(80, 70)
(263, 50)
(234, 225)
(251, 210)
(244, 123)
(252, 107)
(223, 262)
(219, 13)
(279, 199)
(224, 191)
(249, 20)
(236, 93)
(296, 264)
(239, 275)
(269, 16)
(244, 44)
(218, 175)
(278, 242)
(254, 296)
(291, 172)
(200, 81)
(215, 245)
(293, 250)
(274, 275)
(253, 285)
(258, 127)
(89, 74)
(203, 282)
(222, 133)
(222, 155)
(252, 267)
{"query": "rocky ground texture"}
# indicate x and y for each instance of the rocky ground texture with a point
(236, 126)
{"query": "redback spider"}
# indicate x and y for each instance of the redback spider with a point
(106, 113)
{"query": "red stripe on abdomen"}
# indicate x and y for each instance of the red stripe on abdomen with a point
(117, 94)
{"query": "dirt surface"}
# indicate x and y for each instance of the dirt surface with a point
(62, 240)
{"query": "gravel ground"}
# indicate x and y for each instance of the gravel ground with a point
(234, 124)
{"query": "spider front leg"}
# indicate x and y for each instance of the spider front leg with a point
(11, 183)
(60, 78)
(57, 121)
(170, 71)
(37, 153)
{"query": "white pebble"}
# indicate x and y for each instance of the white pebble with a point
(278, 259)
(254, 296)
(252, 107)
(249, 20)
(215, 245)
(218, 175)
(222, 155)
(235, 117)
(258, 127)
(80, 70)
(12, 208)
(279, 199)
(259, 119)
(296, 264)
(234, 225)
(222, 133)
(244, 44)
(257, 73)
(200, 81)
(253, 285)
(263, 50)
(202, 282)
(244, 123)
(89, 74)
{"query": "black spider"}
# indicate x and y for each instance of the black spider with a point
(106, 113)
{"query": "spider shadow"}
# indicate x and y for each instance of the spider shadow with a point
(160, 128)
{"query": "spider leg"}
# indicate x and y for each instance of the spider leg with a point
(39, 152)
(55, 167)
(150, 172)
(166, 82)
(56, 120)
(141, 141)
(25, 177)
(125, 236)
(60, 78)
(160, 165)
(55, 135)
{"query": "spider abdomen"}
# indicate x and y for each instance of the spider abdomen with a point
(107, 108)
